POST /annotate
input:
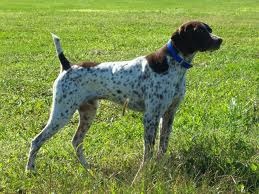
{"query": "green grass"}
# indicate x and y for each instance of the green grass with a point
(214, 147)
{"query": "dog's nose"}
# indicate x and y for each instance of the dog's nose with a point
(220, 40)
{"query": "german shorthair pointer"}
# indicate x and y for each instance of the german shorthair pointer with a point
(153, 84)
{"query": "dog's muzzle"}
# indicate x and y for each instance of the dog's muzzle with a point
(216, 42)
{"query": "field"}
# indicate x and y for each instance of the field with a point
(214, 147)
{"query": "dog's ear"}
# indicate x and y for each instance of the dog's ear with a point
(179, 41)
(176, 36)
(183, 38)
(187, 29)
(183, 30)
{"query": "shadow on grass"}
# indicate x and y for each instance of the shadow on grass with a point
(231, 170)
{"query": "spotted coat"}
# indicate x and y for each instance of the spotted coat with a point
(152, 84)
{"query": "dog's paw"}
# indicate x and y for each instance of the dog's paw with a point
(30, 170)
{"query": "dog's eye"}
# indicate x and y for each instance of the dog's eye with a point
(209, 29)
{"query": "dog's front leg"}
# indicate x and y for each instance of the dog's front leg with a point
(151, 121)
(167, 124)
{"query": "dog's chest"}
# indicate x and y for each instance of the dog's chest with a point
(163, 89)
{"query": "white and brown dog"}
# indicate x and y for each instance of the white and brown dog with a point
(153, 84)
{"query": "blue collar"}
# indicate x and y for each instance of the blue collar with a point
(173, 53)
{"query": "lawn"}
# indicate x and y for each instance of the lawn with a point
(214, 147)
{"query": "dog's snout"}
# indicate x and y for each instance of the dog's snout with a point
(220, 40)
(216, 39)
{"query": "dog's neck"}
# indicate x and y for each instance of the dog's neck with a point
(187, 58)
(160, 60)
(181, 58)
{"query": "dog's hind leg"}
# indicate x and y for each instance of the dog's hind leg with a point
(60, 115)
(87, 112)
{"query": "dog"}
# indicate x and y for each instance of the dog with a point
(152, 84)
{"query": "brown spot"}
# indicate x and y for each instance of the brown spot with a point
(157, 60)
(88, 64)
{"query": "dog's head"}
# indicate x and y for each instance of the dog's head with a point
(195, 36)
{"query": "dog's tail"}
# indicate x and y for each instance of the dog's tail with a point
(63, 60)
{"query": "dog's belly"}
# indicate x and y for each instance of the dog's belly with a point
(135, 105)
(129, 100)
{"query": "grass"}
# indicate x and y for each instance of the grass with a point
(214, 147)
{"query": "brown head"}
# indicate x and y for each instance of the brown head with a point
(195, 36)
